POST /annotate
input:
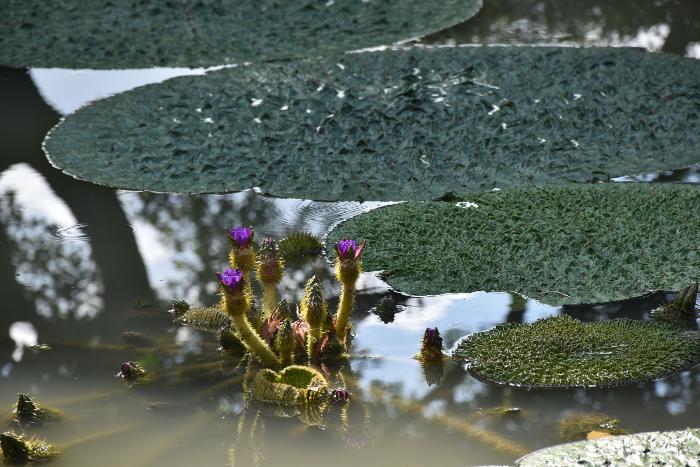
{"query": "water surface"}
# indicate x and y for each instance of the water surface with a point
(80, 264)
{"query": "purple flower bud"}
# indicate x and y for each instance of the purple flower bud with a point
(340, 395)
(232, 279)
(241, 236)
(348, 249)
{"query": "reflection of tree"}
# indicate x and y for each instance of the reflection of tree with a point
(588, 22)
(24, 121)
(63, 277)
(192, 229)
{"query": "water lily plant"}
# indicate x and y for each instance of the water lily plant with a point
(276, 335)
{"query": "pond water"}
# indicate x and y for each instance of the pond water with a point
(80, 264)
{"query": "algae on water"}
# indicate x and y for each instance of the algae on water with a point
(412, 124)
(563, 352)
(560, 245)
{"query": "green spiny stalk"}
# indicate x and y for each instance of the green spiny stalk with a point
(236, 302)
(314, 309)
(347, 269)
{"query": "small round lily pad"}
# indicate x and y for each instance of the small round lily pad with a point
(563, 352)
(566, 244)
(655, 448)
(144, 33)
(412, 124)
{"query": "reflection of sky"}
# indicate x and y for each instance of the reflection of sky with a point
(177, 225)
(52, 255)
(67, 90)
(651, 38)
(24, 335)
(455, 315)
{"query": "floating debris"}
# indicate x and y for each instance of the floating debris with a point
(18, 450)
(578, 426)
(27, 412)
(132, 372)
(136, 339)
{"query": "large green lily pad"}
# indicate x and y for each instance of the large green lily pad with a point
(655, 448)
(143, 33)
(394, 125)
(562, 352)
(559, 244)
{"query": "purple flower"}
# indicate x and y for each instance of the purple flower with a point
(131, 371)
(241, 236)
(348, 249)
(232, 279)
(340, 395)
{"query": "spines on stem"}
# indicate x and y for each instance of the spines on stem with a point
(348, 266)
(314, 309)
(269, 270)
(236, 301)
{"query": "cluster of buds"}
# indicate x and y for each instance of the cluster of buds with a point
(280, 337)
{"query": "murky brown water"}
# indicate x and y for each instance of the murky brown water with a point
(80, 264)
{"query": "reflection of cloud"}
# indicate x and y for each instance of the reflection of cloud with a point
(52, 255)
(183, 242)
(452, 314)
(651, 38)
(34, 194)
(24, 335)
(67, 90)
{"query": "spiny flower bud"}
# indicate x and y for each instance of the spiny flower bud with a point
(314, 307)
(241, 237)
(241, 255)
(285, 311)
(270, 264)
(431, 348)
(347, 264)
(284, 342)
(685, 301)
(231, 281)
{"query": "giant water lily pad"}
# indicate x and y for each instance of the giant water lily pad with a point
(142, 33)
(394, 125)
(560, 244)
(564, 352)
(655, 448)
